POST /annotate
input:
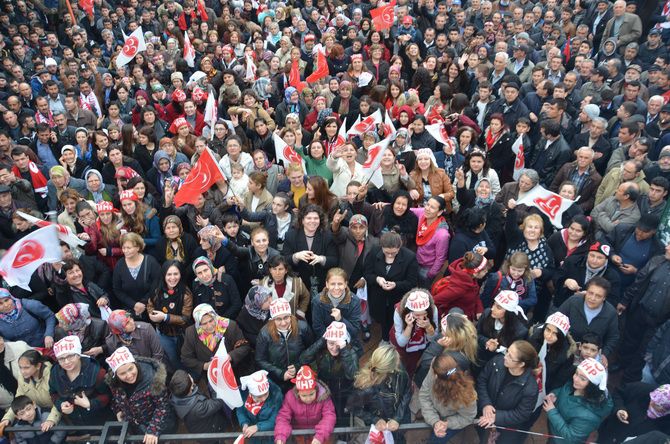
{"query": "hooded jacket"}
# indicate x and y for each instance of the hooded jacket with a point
(145, 404)
(199, 413)
(265, 419)
(574, 418)
(295, 414)
(462, 292)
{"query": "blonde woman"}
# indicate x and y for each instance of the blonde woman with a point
(383, 391)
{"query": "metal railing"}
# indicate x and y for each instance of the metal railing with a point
(117, 432)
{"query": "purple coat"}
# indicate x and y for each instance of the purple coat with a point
(433, 253)
(294, 414)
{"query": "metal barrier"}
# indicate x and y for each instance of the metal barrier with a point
(102, 434)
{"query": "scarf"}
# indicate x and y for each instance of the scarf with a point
(492, 138)
(254, 302)
(97, 195)
(117, 321)
(13, 315)
(517, 285)
(336, 301)
(425, 232)
(253, 406)
(592, 272)
(407, 223)
(660, 397)
(564, 236)
(211, 340)
(36, 178)
(172, 254)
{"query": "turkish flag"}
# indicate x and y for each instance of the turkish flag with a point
(383, 16)
(285, 153)
(26, 255)
(189, 51)
(520, 157)
(435, 114)
(86, 6)
(367, 124)
(205, 173)
(64, 232)
(133, 44)
(371, 164)
(321, 68)
(294, 76)
(201, 10)
(550, 204)
(439, 132)
(222, 379)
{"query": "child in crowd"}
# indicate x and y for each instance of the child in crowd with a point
(199, 413)
(29, 414)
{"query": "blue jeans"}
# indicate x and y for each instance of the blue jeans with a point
(171, 349)
(647, 376)
(435, 440)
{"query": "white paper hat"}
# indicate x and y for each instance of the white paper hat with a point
(257, 383)
(121, 356)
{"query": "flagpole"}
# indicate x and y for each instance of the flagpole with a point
(69, 8)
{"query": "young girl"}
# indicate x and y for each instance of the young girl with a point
(500, 325)
(239, 184)
(137, 218)
(105, 235)
(285, 285)
(415, 323)
(513, 275)
(462, 290)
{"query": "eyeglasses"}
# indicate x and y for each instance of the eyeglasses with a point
(68, 358)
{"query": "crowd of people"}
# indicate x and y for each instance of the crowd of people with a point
(491, 310)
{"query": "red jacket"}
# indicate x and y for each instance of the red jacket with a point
(462, 291)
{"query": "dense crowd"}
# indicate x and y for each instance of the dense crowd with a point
(492, 310)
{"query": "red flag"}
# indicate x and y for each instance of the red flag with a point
(367, 124)
(201, 10)
(439, 132)
(321, 68)
(566, 50)
(383, 16)
(189, 51)
(435, 114)
(205, 173)
(294, 76)
(86, 6)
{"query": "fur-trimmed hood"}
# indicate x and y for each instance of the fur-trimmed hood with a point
(152, 377)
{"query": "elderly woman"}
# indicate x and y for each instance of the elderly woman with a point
(202, 340)
(481, 197)
(77, 385)
(175, 244)
(139, 337)
(429, 180)
(97, 190)
(139, 394)
(26, 320)
(516, 190)
(59, 181)
(75, 320)
(212, 247)
(217, 289)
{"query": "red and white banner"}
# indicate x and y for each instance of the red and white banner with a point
(64, 232)
(368, 124)
(189, 51)
(435, 114)
(285, 153)
(384, 16)
(551, 204)
(379, 437)
(439, 133)
(520, 160)
(251, 69)
(26, 255)
(371, 164)
(389, 128)
(222, 379)
(205, 173)
(133, 44)
(87, 7)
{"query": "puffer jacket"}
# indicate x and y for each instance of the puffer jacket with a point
(295, 414)
(434, 410)
(514, 402)
(350, 310)
(266, 417)
(462, 292)
(388, 400)
(559, 366)
(199, 413)
(574, 418)
(275, 356)
(145, 404)
(34, 322)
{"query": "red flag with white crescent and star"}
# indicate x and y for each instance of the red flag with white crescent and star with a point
(383, 17)
(205, 173)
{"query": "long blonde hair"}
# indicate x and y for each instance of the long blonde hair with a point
(384, 361)
(462, 336)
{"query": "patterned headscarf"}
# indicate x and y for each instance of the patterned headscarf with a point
(117, 321)
(256, 296)
(208, 234)
(211, 340)
(12, 315)
(74, 318)
(661, 399)
(204, 260)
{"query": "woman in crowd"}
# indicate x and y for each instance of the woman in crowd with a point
(577, 408)
(170, 308)
(432, 239)
(216, 289)
(105, 235)
(26, 320)
(430, 181)
(258, 198)
(336, 363)
(310, 248)
(77, 385)
(175, 244)
(415, 324)
(471, 235)
(139, 394)
(507, 392)
(283, 284)
(255, 312)
(394, 176)
(75, 320)
(144, 191)
(136, 275)
(307, 406)
(571, 241)
(481, 197)
(448, 399)
(462, 286)
(342, 162)
(137, 218)
(500, 325)
(280, 343)
(315, 159)
(382, 393)
(97, 189)
(476, 167)
(203, 339)
(212, 247)
(498, 145)
(276, 221)
(255, 257)
(78, 288)
(397, 217)
(140, 337)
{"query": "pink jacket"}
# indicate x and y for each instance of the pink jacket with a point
(433, 253)
(320, 415)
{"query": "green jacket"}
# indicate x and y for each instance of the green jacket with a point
(314, 167)
(574, 418)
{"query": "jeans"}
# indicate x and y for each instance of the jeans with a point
(171, 348)
(647, 376)
(435, 440)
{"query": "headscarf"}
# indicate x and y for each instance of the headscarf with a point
(117, 321)
(208, 234)
(97, 196)
(344, 103)
(211, 340)
(266, 164)
(406, 222)
(481, 202)
(661, 398)
(292, 107)
(203, 260)
(254, 302)
(259, 88)
(74, 318)
(13, 315)
(170, 253)
(162, 176)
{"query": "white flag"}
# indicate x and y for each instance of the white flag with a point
(285, 153)
(551, 204)
(189, 51)
(371, 164)
(64, 232)
(211, 112)
(26, 255)
(439, 132)
(251, 69)
(542, 393)
(133, 44)
(520, 160)
(222, 379)
(367, 124)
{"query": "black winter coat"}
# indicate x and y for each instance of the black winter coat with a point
(222, 295)
(559, 366)
(605, 324)
(388, 400)
(199, 413)
(322, 245)
(574, 267)
(275, 356)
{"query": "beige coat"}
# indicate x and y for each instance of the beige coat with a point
(611, 182)
(434, 410)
